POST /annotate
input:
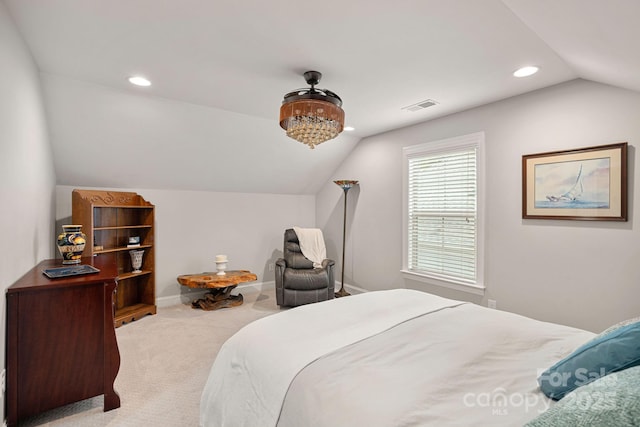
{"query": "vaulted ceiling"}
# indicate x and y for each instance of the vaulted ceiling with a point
(220, 69)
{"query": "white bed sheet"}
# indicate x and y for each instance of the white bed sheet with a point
(254, 368)
(361, 361)
(465, 366)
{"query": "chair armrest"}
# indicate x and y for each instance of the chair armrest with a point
(280, 262)
(328, 263)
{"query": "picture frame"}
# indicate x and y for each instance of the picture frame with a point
(581, 184)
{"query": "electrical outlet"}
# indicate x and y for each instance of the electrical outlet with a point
(492, 303)
(271, 266)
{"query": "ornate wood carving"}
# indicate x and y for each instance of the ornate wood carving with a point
(221, 286)
(211, 280)
(112, 198)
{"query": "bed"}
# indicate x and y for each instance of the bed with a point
(385, 358)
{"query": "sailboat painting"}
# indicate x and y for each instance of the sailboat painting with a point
(582, 184)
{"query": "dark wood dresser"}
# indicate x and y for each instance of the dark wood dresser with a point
(61, 341)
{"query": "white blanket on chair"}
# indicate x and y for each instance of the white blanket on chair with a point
(312, 244)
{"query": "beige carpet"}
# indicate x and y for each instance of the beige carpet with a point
(165, 361)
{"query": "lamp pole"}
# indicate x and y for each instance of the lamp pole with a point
(345, 185)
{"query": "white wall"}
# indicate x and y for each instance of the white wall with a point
(156, 142)
(26, 168)
(580, 273)
(193, 226)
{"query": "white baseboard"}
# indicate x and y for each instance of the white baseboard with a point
(352, 289)
(189, 294)
(178, 299)
(256, 287)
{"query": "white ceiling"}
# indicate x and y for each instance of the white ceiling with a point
(220, 68)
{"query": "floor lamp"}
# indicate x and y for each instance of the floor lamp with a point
(345, 184)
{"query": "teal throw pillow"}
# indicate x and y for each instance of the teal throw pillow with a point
(608, 352)
(620, 325)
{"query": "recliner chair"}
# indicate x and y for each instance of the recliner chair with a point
(297, 282)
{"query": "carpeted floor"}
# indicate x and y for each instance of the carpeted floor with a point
(165, 361)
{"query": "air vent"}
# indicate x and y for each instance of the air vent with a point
(420, 105)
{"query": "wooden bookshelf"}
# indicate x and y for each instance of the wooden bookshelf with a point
(108, 219)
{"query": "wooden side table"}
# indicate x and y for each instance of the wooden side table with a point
(61, 340)
(220, 287)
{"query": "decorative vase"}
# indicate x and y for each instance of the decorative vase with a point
(221, 267)
(221, 264)
(71, 243)
(136, 260)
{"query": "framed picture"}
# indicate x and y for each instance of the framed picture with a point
(582, 184)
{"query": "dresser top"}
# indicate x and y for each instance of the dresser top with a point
(35, 279)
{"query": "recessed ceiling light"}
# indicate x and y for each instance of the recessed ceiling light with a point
(349, 128)
(526, 71)
(139, 81)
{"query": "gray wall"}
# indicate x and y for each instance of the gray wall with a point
(26, 168)
(579, 273)
(192, 227)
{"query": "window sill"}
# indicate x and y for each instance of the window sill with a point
(463, 287)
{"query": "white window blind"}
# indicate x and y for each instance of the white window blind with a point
(442, 207)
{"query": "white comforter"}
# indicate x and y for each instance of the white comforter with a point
(389, 358)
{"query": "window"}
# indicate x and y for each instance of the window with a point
(442, 213)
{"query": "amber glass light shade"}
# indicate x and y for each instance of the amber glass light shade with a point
(312, 116)
(311, 121)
